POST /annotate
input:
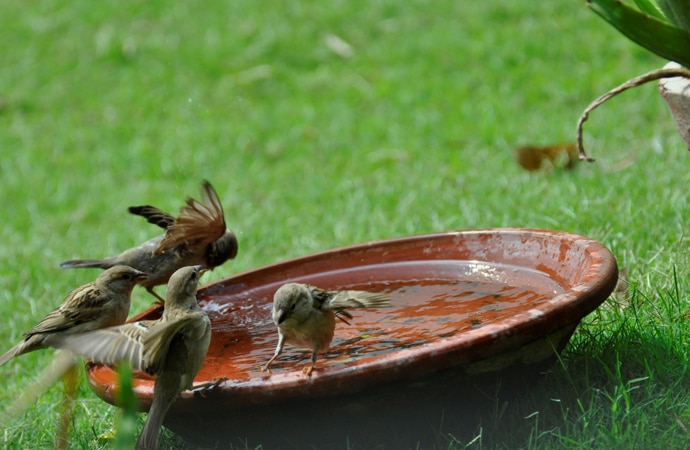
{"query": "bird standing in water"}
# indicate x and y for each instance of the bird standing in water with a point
(305, 316)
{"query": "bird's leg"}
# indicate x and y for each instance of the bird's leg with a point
(309, 369)
(202, 388)
(152, 292)
(267, 367)
(279, 348)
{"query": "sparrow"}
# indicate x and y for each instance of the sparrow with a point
(305, 316)
(102, 303)
(173, 347)
(198, 236)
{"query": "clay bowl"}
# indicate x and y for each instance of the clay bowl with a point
(466, 304)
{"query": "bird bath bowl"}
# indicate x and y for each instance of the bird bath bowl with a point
(465, 305)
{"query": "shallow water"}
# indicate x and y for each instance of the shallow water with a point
(431, 300)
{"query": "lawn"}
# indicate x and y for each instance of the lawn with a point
(409, 127)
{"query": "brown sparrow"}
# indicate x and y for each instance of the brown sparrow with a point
(102, 303)
(173, 347)
(305, 316)
(198, 236)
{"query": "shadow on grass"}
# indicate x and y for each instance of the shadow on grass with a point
(627, 387)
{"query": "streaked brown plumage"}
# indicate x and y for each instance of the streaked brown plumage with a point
(102, 303)
(173, 347)
(198, 236)
(305, 316)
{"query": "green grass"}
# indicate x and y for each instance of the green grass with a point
(108, 104)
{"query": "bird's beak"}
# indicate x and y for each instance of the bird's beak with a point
(140, 275)
(282, 316)
(200, 269)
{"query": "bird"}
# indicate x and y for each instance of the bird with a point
(198, 236)
(101, 303)
(173, 347)
(305, 316)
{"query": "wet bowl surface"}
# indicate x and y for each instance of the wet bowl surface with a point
(475, 301)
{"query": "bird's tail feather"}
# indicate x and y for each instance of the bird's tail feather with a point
(11, 353)
(148, 439)
(83, 263)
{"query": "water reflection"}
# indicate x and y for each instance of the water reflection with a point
(432, 300)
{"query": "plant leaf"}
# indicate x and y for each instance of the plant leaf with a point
(655, 35)
(676, 11)
(651, 8)
(127, 425)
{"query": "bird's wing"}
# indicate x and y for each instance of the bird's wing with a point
(322, 300)
(84, 304)
(153, 215)
(156, 342)
(320, 296)
(355, 299)
(198, 224)
(109, 345)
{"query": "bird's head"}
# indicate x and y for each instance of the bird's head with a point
(291, 300)
(221, 250)
(182, 286)
(121, 278)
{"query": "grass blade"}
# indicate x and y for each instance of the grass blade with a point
(127, 425)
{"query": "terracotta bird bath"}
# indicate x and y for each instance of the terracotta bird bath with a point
(467, 305)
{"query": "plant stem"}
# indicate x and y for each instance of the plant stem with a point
(633, 82)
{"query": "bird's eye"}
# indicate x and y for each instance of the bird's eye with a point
(294, 305)
(127, 276)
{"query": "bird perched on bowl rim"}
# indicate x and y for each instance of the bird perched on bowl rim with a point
(101, 303)
(173, 347)
(305, 316)
(198, 236)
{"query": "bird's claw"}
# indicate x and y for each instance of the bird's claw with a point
(202, 388)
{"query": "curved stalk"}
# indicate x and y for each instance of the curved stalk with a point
(634, 82)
